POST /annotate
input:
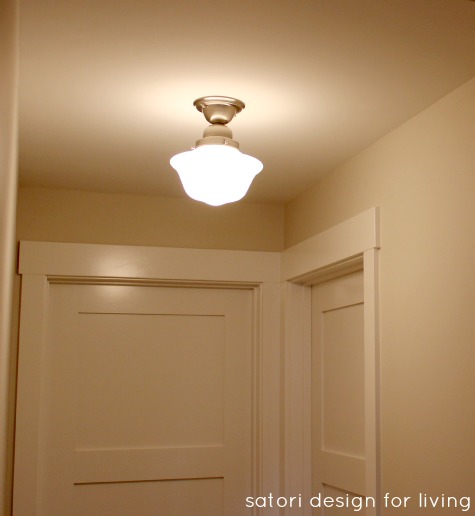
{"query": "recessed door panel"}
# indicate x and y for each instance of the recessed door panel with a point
(342, 365)
(338, 393)
(181, 498)
(122, 360)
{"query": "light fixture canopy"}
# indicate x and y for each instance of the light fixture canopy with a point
(216, 172)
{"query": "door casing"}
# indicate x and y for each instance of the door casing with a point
(347, 247)
(43, 264)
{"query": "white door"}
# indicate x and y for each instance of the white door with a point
(146, 401)
(338, 396)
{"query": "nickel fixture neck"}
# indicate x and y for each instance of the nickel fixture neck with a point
(218, 111)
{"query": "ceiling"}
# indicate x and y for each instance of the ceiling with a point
(107, 86)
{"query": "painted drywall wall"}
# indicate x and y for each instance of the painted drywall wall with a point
(422, 175)
(8, 188)
(74, 216)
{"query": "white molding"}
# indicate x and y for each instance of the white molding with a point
(270, 389)
(134, 262)
(34, 296)
(297, 322)
(337, 244)
(351, 245)
(42, 263)
(372, 378)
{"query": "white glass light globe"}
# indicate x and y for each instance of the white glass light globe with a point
(216, 174)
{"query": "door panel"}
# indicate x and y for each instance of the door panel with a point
(343, 383)
(202, 497)
(143, 354)
(338, 391)
(146, 401)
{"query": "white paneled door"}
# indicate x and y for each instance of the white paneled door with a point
(147, 401)
(338, 395)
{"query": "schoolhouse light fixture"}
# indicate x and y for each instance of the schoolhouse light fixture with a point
(216, 172)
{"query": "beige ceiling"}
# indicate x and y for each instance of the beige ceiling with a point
(107, 86)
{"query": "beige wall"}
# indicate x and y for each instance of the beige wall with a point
(73, 216)
(8, 187)
(422, 175)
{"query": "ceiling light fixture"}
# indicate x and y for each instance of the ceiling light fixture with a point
(216, 171)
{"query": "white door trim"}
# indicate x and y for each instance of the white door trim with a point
(351, 245)
(43, 263)
(136, 262)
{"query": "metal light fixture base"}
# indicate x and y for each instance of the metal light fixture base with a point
(219, 110)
